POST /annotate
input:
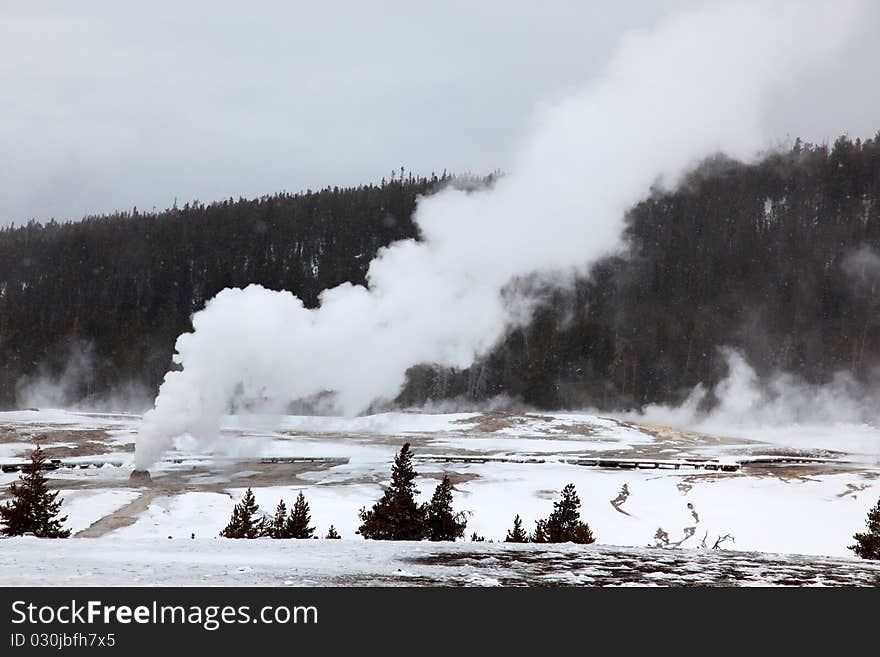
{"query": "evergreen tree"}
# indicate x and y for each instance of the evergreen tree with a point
(867, 545)
(540, 533)
(564, 523)
(476, 538)
(246, 521)
(233, 527)
(33, 509)
(278, 526)
(300, 517)
(332, 533)
(396, 516)
(517, 534)
(443, 524)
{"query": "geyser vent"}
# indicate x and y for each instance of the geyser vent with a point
(141, 475)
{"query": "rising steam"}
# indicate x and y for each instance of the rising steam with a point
(779, 409)
(701, 82)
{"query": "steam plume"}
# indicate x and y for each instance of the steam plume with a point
(700, 82)
(779, 409)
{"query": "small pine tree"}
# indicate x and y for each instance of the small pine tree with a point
(278, 526)
(476, 538)
(540, 533)
(332, 533)
(517, 534)
(300, 517)
(396, 516)
(233, 527)
(33, 509)
(246, 521)
(443, 524)
(564, 524)
(867, 545)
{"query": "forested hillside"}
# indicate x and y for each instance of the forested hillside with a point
(121, 288)
(776, 258)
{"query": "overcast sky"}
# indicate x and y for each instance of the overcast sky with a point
(110, 104)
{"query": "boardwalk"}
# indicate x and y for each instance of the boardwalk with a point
(642, 464)
(58, 464)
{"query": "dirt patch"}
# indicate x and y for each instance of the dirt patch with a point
(86, 442)
(455, 477)
(264, 474)
(803, 453)
(76, 442)
(581, 429)
(62, 452)
(797, 472)
(669, 435)
(492, 421)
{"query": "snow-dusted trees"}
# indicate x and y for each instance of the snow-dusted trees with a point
(33, 509)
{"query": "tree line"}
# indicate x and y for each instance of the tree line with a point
(779, 258)
(120, 288)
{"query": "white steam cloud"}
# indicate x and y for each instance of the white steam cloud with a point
(700, 82)
(781, 409)
(72, 387)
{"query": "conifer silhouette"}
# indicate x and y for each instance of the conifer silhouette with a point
(300, 517)
(444, 524)
(246, 521)
(33, 509)
(278, 526)
(517, 534)
(867, 545)
(564, 524)
(396, 516)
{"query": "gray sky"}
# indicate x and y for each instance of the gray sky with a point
(108, 104)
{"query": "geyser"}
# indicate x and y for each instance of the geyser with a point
(141, 476)
(700, 82)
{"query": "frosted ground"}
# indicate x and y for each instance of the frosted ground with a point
(501, 464)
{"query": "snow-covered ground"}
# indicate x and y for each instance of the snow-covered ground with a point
(501, 463)
(113, 561)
